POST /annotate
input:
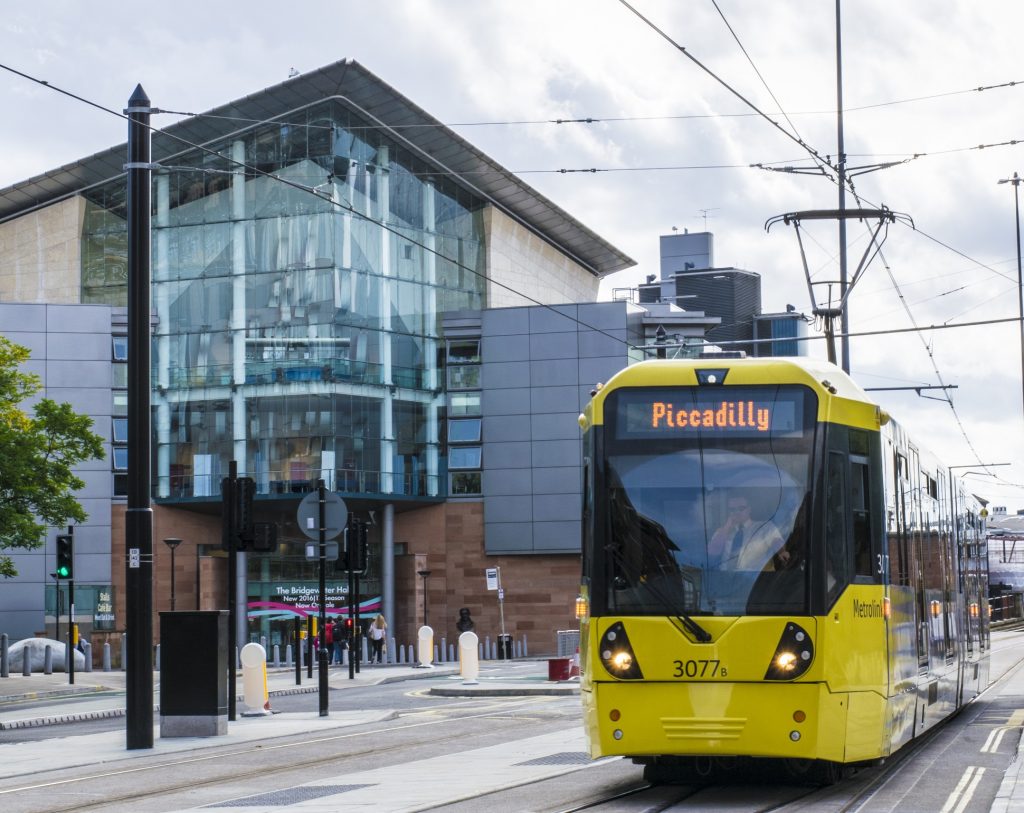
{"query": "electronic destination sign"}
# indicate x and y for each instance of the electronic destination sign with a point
(647, 413)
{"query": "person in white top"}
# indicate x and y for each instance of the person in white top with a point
(746, 544)
(378, 632)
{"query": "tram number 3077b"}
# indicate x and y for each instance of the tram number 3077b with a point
(699, 669)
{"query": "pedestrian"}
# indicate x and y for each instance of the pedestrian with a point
(328, 640)
(338, 636)
(378, 632)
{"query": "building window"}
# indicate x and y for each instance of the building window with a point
(120, 348)
(464, 403)
(464, 431)
(464, 483)
(120, 485)
(120, 430)
(464, 457)
(120, 403)
(464, 351)
(120, 458)
(464, 377)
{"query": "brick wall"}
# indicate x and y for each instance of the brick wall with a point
(540, 590)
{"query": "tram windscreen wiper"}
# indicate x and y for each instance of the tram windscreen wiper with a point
(642, 551)
(683, 621)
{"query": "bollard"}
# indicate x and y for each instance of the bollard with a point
(401, 654)
(425, 647)
(26, 663)
(288, 656)
(469, 662)
(87, 646)
(277, 656)
(157, 659)
(391, 652)
(48, 660)
(254, 680)
(444, 650)
(124, 653)
(487, 649)
(106, 656)
(526, 652)
(4, 665)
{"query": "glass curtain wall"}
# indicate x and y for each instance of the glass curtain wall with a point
(296, 334)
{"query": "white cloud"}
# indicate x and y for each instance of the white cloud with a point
(466, 61)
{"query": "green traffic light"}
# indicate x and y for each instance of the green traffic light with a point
(63, 572)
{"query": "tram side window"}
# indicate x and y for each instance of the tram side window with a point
(860, 505)
(837, 566)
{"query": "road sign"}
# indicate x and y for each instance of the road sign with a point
(335, 515)
(313, 551)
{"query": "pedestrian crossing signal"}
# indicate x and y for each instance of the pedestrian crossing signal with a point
(65, 556)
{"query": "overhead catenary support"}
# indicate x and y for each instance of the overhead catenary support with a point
(844, 283)
(830, 308)
(139, 514)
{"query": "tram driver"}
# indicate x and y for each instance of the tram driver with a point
(743, 543)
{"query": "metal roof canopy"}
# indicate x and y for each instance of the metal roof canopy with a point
(369, 97)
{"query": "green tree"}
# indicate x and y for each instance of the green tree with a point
(37, 453)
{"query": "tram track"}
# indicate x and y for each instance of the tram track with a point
(239, 766)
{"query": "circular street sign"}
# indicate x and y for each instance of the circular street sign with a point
(335, 515)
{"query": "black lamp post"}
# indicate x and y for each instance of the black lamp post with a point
(1015, 180)
(172, 544)
(424, 574)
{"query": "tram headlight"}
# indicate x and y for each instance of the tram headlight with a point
(793, 655)
(617, 654)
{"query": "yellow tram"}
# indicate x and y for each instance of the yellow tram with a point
(772, 569)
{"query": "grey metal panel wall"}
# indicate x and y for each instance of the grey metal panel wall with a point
(71, 352)
(531, 437)
(733, 296)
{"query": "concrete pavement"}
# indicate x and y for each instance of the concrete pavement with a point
(101, 695)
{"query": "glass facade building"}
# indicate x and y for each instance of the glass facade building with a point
(298, 273)
(313, 245)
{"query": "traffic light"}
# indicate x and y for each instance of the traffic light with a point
(354, 550)
(244, 517)
(65, 556)
(236, 513)
(264, 538)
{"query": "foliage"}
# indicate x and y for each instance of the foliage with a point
(37, 453)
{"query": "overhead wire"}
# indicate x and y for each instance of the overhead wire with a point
(822, 162)
(593, 119)
(397, 232)
(851, 187)
(327, 199)
(758, 72)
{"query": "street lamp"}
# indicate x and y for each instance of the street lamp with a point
(172, 544)
(1015, 180)
(424, 574)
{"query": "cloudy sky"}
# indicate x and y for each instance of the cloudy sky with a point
(933, 85)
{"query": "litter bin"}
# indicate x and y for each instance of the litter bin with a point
(559, 668)
(505, 646)
(194, 674)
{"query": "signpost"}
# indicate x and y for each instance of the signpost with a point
(321, 516)
(493, 575)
